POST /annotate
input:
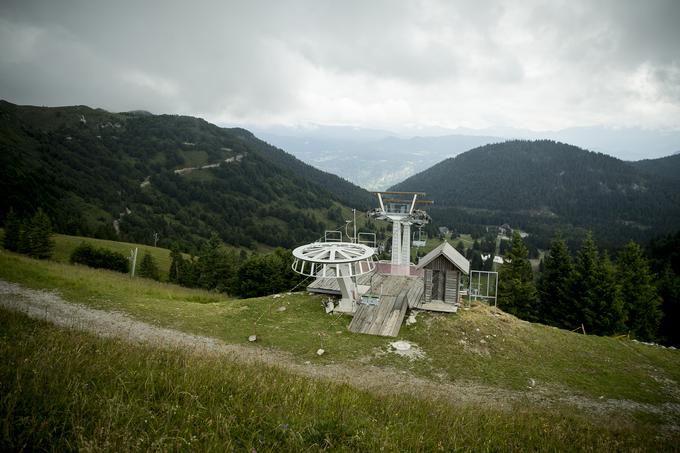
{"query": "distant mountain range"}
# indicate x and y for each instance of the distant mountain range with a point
(545, 186)
(376, 159)
(129, 175)
(375, 163)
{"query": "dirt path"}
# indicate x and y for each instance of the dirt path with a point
(49, 306)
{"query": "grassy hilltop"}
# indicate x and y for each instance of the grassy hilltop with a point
(484, 380)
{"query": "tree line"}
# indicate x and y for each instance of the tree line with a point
(240, 274)
(591, 292)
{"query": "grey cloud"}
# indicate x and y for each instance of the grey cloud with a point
(255, 60)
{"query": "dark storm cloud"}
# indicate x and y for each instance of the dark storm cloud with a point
(527, 64)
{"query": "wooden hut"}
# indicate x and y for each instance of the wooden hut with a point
(443, 268)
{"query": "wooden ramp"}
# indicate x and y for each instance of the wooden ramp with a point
(385, 318)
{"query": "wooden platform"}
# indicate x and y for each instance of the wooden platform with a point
(397, 294)
(437, 305)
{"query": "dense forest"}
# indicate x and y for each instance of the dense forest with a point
(635, 293)
(131, 175)
(544, 186)
(666, 167)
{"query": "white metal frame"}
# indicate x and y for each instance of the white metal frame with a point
(476, 293)
(343, 261)
(330, 236)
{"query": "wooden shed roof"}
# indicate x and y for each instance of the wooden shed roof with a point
(445, 249)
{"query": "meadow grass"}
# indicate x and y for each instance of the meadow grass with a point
(67, 390)
(479, 345)
(65, 244)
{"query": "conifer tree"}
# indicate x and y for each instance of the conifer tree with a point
(12, 231)
(609, 317)
(516, 291)
(216, 267)
(39, 236)
(641, 301)
(597, 304)
(148, 268)
(669, 289)
(555, 306)
(176, 264)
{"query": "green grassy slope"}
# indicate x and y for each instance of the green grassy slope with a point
(65, 244)
(477, 345)
(65, 390)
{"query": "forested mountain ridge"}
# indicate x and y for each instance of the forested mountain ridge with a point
(666, 167)
(129, 175)
(546, 186)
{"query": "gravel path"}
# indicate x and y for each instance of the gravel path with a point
(49, 306)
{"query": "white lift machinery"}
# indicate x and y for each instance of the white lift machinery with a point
(344, 261)
(400, 209)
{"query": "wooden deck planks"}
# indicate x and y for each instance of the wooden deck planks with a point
(397, 295)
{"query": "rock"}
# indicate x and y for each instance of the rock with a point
(411, 319)
(252, 338)
(401, 345)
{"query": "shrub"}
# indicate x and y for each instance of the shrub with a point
(99, 258)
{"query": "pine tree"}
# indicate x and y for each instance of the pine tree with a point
(597, 302)
(176, 265)
(39, 236)
(669, 288)
(216, 267)
(12, 231)
(609, 312)
(641, 301)
(516, 291)
(555, 306)
(148, 268)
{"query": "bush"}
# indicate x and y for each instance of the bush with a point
(99, 258)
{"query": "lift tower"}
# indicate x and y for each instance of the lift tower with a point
(400, 209)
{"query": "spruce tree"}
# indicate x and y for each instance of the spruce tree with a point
(516, 291)
(555, 306)
(12, 231)
(39, 236)
(148, 268)
(641, 301)
(176, 270)
(609, 312)
(668, 284)
(597, 304)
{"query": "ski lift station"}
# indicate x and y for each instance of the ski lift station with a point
(379, 293)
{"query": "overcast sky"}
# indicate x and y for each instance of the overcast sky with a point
(383, 64)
